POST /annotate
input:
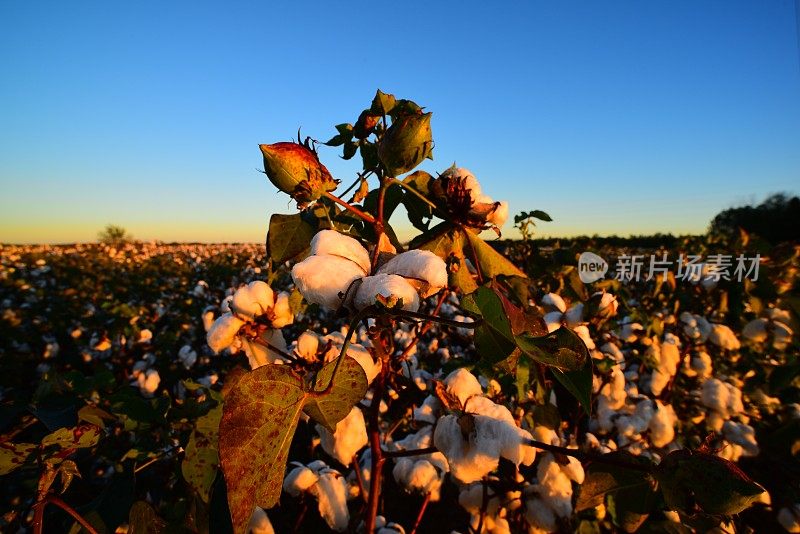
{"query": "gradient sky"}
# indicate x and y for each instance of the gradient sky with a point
(614, 117)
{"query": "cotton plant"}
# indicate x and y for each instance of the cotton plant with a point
(772, 327)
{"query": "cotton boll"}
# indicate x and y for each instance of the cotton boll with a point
(554, 301)
(782, 335)
(574, 315)
(252, 300)
(428, 411)
(370, 366)
(221, 334)
(662, 425)
(574, 470)
(282, 311)
(350, 436)
(187, 356)
(499, 215)
(145, 336)
(756, 330)
(148, 382)
(554, 486)
(583, 333)
(418, 476)
(331, 493)
(321, 278)
(789, 518)
(420, 265)
(389, 287)
(260, 523)
(332, 243)
(462, 384)
(208, 320)
(714, 395)
(307, 346)
(630, 332)
(480, 405)
(553, 320)
(468, 460)
(259, 354)
(723, 337)
(742, 435)
(540, 516)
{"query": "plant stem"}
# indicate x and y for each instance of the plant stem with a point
(423, 317)
(409, 452)
(585, 457)
(38, 514)
(414, 192)
(421, 513)
(363, 314)
(365, 216)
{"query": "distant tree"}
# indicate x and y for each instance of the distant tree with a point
(113, 235)
(776, 220)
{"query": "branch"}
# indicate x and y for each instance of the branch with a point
(366, 216)
(408, 452)
(423, 317)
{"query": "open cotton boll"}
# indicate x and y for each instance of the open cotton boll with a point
(662, 425)
(331, 493)
(554, 301)
(307, 346)
(480, 405)
(555, 487)
(574, 315)
(187, 356)
(389, 287)
(499, 216)
(583, 333)
(221, 334)
(332, 243)
(350, 436)
(282, 312)
(756, 330)
(553, 320)
(322, 278)
(252, 300)
(418, 476)
(421, 265)
(208, 319)
(742, 435)
(539, 516)
(789, 518)
(148, 382)
(259, 354)
(260, 523)
(782, 335)
(723, 337)
(462, 384)
(428, 411)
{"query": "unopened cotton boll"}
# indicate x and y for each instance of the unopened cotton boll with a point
(389, 287)
(350, 436)
(421, 266)
(322, 278)
(332, 243)
(221, 334)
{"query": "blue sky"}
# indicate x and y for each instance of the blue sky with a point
(615, 117)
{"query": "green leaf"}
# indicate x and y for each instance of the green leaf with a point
(561, 348)
(259, 418)
(14, 455)
(447, 242)
(493, 337)
(383, 103)
(349, 387)
(79, 437)
(702, 480)
(201, 461)
(539, 214)
(491, 262)
(631, 493)
(288, 237)
(579, 383)
(95, 416)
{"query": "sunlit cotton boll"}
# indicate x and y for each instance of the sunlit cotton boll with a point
(260, 523)
(462, 384)
(723, 337)
(350, 436)
(222, 333)
(148, 382)
(389, 288)
(422, 267)
(322, 279)
(327, 485)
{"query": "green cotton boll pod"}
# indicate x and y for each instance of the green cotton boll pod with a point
(407, 142)
(296, 170)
